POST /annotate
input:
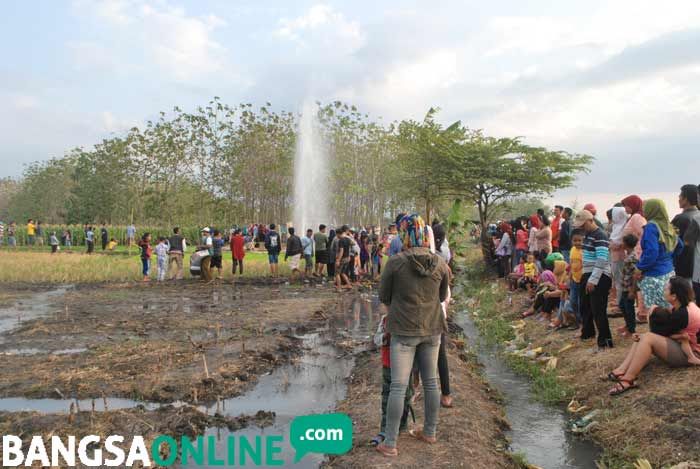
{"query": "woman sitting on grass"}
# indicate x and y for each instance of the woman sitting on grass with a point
(546, 297)
(682, 324)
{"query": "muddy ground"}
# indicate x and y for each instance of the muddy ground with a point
(146, 342)
(151, 342)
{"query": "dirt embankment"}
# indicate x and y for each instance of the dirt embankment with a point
(658, 421)
(470, 435)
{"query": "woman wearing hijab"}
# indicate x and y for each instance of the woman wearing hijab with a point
(635, 223)
(617, 251)
(414, 283)
(655, 266)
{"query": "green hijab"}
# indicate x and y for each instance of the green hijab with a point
(655, 212)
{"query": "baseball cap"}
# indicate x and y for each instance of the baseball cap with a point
(206, 229)
(582, 217)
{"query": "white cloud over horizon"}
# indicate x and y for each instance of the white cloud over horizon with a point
(618, 80)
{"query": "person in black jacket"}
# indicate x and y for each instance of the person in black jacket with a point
(565, 233)
(293, 254)
(273, 244)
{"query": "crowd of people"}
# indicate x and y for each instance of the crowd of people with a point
(640, 264)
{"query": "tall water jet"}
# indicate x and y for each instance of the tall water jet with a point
(310, 172)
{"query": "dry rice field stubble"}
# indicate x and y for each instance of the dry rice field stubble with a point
(77, 267)
(659, 421)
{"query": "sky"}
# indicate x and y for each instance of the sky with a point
(617, 80)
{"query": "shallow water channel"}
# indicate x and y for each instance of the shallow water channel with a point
(538, 431)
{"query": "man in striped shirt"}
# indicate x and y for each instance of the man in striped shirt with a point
(597, 279)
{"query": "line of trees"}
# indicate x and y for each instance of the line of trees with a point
(234, 164)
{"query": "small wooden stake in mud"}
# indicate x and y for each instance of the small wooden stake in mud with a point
(71, 413)
(104, 401)
(206, 368)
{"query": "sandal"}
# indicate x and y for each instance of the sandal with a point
(387, 451)
(615, 378)
(377, 440)
(527, 314)
(620, 387)
(419, 435)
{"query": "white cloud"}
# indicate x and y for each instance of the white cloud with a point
(24, 102)
(182, 46)
(322, 27)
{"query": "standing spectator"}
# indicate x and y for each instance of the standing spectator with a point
(342, 259)
(146, 252)
(629, 286)
(321, 247)
(130, 234)
(332, 251)
(556, 227)
(534, 225)
(395, 245)
(413, 285)
(90, 240)
(39, 234)
(293, 254)
(655, 266)
(591, 208)
(178, 246)
(565, 233)
(11, 234)
(2, 233)
(274, 247)
(67, 239)
(543, 239)
(307, 244)
(504, 251)
(596, 281)
(688, 225)
(217, 245)
(53, 242)
(104, 234)
(237, 251)
(31, 232)
(617, 251)
(162, 258)
(521, 238)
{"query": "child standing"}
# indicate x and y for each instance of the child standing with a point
(383, 339)
(576, 257)
(53, 242)
(162, 258)
(146, 251)
(217, 244)
(629, 285)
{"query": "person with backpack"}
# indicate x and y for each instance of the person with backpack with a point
(274, 247)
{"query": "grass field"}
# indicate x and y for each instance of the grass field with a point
(38, 265)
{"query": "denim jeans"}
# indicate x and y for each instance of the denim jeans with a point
(567, 255)
(403, 350)
(575, 299)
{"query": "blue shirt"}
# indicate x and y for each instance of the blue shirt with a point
(307, 245)
(396, 246)
(90, 236)
(656, 260)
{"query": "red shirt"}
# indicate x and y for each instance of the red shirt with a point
(237, 247)
(521, 240)
(555, 232)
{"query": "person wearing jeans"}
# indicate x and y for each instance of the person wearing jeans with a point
(413, 284)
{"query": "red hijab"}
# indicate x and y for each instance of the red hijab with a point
(535, 221)
(635, 203)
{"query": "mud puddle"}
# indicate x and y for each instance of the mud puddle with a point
(34, 307)
(313, 384)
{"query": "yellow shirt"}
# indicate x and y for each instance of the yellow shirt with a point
(31, 229)
(530, 270)
(111, 245)
(576, 258)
